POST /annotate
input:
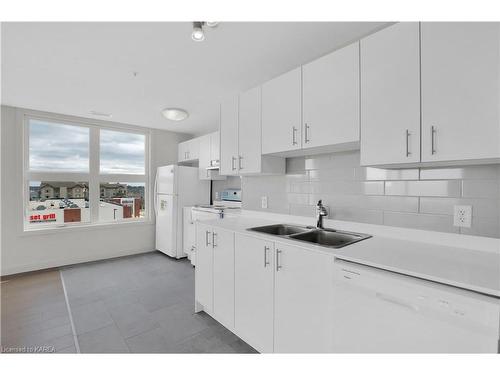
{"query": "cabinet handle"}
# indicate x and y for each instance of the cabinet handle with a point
(207, 236)
(240, 158)
(408, 134)
(233, 167)
(433, 135)
(278, 266)
(306, 134)
(294, 131)
(266, 262)
(189, 152)
(214, 236)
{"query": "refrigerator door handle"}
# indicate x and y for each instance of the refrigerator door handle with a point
(155, 195)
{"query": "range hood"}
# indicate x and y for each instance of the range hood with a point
(214, 165)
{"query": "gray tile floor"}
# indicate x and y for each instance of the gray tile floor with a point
(136, 304)
(142, 304)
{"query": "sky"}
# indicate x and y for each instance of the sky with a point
(65, 148)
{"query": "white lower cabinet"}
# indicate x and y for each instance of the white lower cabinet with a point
(223, 276)
(254, 294)
(303, 287)
(275, 296)
(214, 282)
(204, 292)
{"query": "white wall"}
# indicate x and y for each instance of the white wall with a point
(27, 251)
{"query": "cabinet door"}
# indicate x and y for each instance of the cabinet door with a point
(302, 300)
(331, 99)
(223, 249)
(189, 233)
(193, 149)
(254, 273)
(390, 96)
(281, 113)
(250, 132)
(204, 157)
(228, 128)
(460, 90)
(182, 151)
(204, 267)
(215, 146)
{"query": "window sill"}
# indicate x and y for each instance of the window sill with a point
(84, 227)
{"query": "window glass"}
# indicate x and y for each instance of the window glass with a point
(57, 147)
(57, 203)
(121, 201)
(122, 153)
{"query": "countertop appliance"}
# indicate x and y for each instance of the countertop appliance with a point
(379, 311)
(175, 187)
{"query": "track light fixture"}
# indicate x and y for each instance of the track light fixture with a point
(198, 34)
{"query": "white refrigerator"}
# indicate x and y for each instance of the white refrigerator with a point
(176, 187)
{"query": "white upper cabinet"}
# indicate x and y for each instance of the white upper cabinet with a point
(228, 128)
(281, 113)
(460, 90)
(188, 151)
(240, 137)
(249, 160)
(330, 99)
(215, 146)
(390, 96)
(208, 156)
(204, 154)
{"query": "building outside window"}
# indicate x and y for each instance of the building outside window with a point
(67, 186)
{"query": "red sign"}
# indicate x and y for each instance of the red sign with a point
(42, 218)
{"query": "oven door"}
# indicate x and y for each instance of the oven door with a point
(377, 311)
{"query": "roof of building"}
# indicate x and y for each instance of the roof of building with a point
(59, 184)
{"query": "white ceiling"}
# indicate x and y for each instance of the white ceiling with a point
(74, 68)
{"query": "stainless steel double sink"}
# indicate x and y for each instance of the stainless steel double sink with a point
(323, 237)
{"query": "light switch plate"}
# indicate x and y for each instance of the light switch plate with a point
(462, 216)
(263, 202)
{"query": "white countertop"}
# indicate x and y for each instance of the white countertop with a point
(463, 267)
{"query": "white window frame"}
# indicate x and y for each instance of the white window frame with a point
(93, 177)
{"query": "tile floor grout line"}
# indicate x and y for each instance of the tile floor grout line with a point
(73, 330)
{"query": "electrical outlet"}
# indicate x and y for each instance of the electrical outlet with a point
(462, 216)
(263, 202)
(217, 195)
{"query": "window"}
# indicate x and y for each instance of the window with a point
(72, 173)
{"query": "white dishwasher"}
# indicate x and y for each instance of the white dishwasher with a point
(378, 311)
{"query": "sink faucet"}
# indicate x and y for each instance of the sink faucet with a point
(320, 213)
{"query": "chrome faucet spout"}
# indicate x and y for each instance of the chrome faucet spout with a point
(321, 212)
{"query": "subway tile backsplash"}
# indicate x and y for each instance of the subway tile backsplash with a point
(420, 198)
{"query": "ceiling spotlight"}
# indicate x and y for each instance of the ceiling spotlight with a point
(212, 23)
(198, 35)
(175, 114)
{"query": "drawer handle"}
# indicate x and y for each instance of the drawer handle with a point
(278, 266)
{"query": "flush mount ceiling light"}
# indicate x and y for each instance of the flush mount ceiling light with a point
(175, 114)
(198, 35)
